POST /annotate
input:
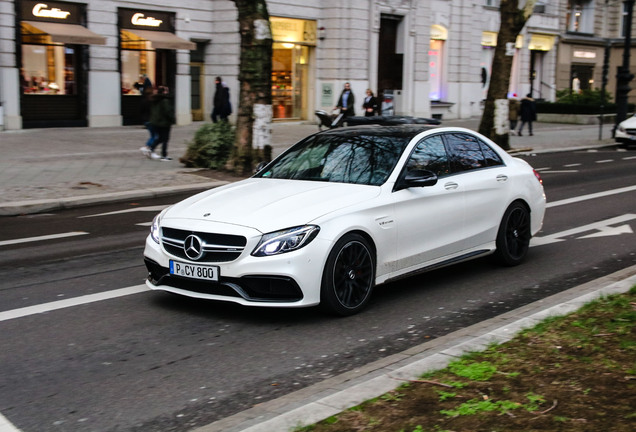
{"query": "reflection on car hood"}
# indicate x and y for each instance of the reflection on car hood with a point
(271, 204)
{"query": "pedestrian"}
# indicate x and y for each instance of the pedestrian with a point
(222, 108)
(528, 113)
(370, 104)
(146, 103)
(513, 113)
(346, 101)
(161, 118)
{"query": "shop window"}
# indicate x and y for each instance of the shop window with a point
(47, 68)
(580, 16)
(289, 79)
(137, 63)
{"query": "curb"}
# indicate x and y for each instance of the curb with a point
(334, 395)
(17, 208)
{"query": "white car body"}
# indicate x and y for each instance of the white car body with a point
(461, 220)
(626, 131)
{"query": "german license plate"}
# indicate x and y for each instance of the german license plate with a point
(194, 271)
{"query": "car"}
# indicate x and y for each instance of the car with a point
(344, 210)
(626, 131)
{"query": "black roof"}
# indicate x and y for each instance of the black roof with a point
(402, 131)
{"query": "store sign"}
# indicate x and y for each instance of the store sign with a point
(51, 11)
(584, 54)
(489, 38)
(144, 19)
(541, 42)
(293, 30)
(139, 19)
(39, 10)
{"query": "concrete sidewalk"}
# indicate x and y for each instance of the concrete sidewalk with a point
(48, 169)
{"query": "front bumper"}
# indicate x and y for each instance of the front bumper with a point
(286, 280)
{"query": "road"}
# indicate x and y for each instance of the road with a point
(87, 348)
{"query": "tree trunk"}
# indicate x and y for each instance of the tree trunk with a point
(253, 127)
(495, 113)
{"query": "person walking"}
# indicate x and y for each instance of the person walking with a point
(370, 104)
(146, 103)
(528, 113)
(161, 118)
(221, 106)
(346, 102)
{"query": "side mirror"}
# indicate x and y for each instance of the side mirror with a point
(416, 178)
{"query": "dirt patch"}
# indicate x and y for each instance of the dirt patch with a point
(575, 373)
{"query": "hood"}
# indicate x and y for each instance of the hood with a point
(271, 204)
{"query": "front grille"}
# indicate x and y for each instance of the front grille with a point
(630, 131)
(216, 247)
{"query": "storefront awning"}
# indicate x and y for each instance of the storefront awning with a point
(163, 40)
(68, 33)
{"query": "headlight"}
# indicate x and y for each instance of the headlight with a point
(621, 128)
(287, 240)
(155, 228)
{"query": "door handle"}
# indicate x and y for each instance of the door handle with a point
(451, 185)
(502, 178)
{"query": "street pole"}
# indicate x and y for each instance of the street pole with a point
(624, 77)
(606, 55)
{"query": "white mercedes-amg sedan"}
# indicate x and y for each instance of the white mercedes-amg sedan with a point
(344, 210)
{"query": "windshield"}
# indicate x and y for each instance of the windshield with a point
(358, 159)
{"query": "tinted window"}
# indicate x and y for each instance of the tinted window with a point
(362, 159)
(430, 154)
(465, 152)
(492, 158)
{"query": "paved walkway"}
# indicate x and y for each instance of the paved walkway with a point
(47, 169)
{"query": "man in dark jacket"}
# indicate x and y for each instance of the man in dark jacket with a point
(161, 118)
(528, 113)
(221, 103)
(346, 101)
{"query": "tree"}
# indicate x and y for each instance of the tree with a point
(512, 20)
(253, 127)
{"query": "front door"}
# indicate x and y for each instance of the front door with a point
(197, 94)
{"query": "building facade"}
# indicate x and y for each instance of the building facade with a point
(86, 63)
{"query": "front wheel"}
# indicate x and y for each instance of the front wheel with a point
(349, 276)
(513, 237)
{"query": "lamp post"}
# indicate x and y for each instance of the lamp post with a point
(624, 77)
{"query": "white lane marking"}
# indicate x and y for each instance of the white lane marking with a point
(41, 238)
(559, 171)
(591, 196)
(156, 208)
(6, 426)
(601, 226)
(604, 161)
(629, 158)
(76, 301)
(145, 224)
(610, 231)
(572, 165)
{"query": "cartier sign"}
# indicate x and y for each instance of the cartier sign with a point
(146, 19)
(40, 10)
(51, 11)
(139, 19)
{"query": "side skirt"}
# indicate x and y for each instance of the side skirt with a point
(451, 261)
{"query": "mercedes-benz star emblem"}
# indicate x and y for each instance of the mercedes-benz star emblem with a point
(193, 247)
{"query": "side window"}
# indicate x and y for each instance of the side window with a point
(430, 154)
(492, 158)
(465, 152)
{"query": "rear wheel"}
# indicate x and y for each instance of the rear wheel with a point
(349, 276)
(513, 237)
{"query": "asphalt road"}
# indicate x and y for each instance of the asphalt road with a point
(137, 360)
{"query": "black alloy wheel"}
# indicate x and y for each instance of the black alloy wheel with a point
(349, 276)
(513, 237)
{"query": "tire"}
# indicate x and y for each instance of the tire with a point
(513, 237)
(349, 276)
